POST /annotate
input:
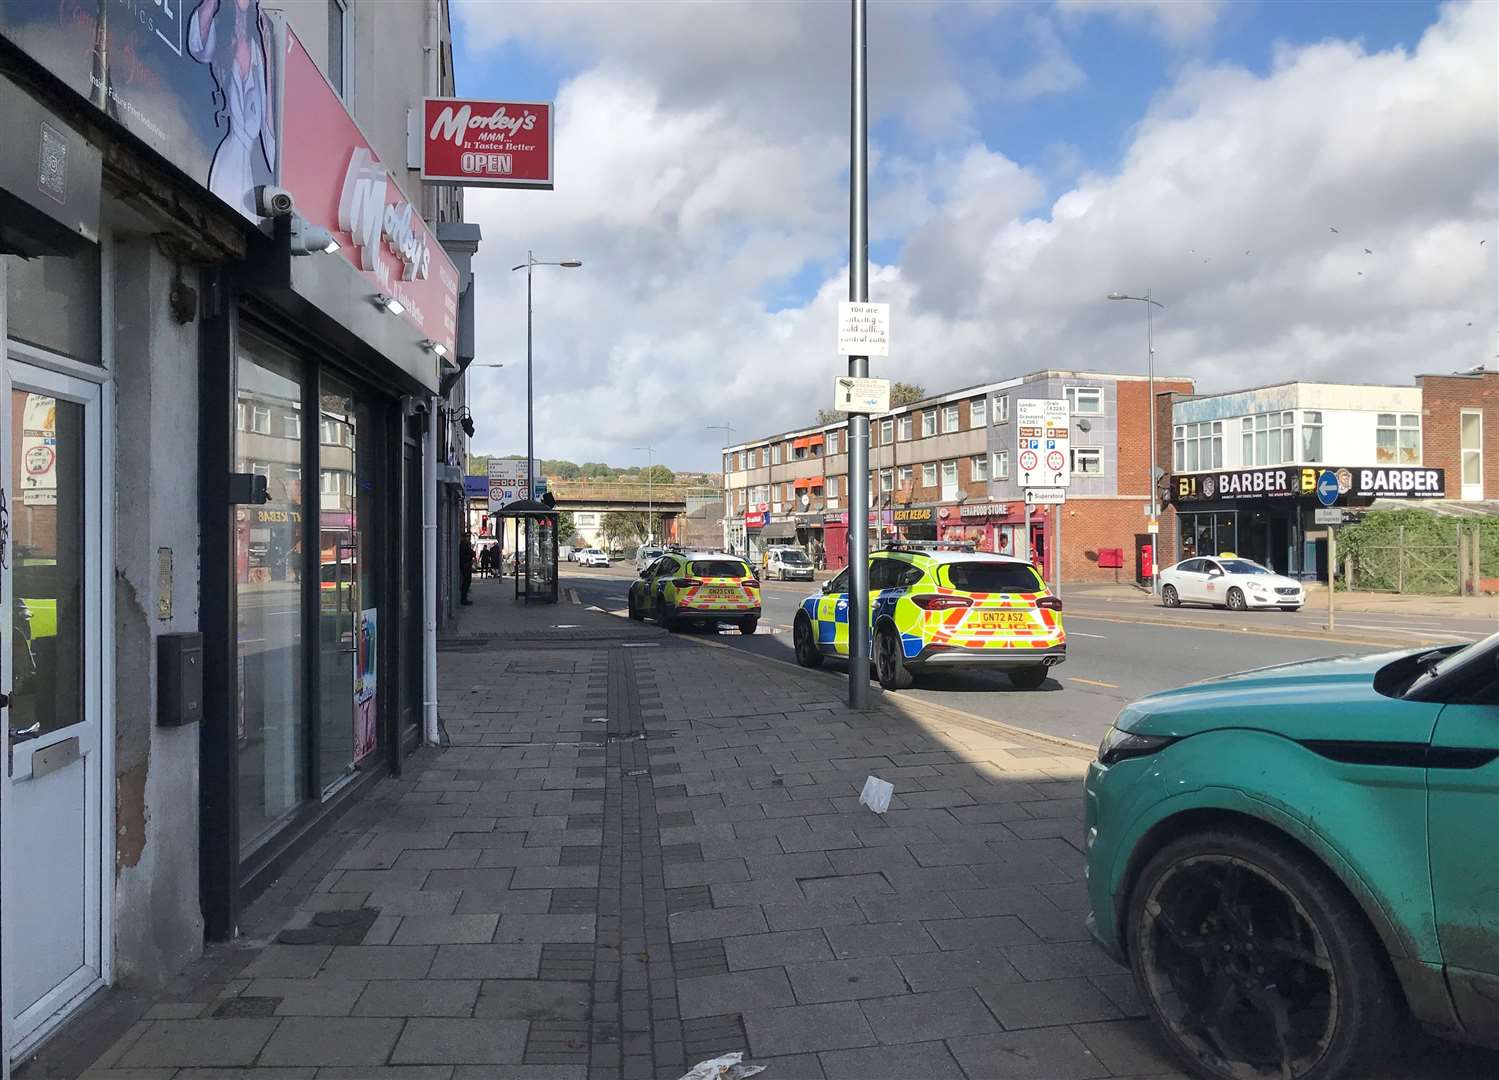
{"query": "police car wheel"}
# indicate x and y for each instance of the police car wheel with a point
(747, 624)
(889, 663)
(635, 612)
(808, 655)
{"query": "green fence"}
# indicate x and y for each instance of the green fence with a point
(1415, 551)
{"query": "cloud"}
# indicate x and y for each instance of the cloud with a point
(692, 211)
(1179, 23)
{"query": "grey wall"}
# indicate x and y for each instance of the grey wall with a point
(158, 926)
(1104, 434)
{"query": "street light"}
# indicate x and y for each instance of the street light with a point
(650, 492)
(1155, 559)
(531, 261)
(728, 437)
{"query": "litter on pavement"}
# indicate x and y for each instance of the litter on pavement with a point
(724, 1067)
(876, 794)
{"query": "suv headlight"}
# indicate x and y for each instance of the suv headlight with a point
(1120, 745)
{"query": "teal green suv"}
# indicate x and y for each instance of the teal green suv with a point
(1293, 860)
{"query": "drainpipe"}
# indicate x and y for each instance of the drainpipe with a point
(430, 731)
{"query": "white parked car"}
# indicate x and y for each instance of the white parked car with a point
(787, 564)
(593, 557)
(1231, 582)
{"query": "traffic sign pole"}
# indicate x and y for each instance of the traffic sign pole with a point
(1332, 571)
(858, 368)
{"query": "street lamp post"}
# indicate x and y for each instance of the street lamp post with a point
(728, 437)
(530, 263)
(1150, 305)
(650, 492)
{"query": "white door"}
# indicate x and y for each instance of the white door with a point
(51, 660)
(1472, 454)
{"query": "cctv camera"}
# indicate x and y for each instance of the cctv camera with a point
(272, 201)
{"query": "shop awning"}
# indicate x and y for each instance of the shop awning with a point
(800, 444)
(779, 530)
(814, 440)
(805, 482)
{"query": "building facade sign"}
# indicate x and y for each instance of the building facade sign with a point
(915, 513)
(504, 144)
(984, 510)
(1295, 481)
(193, 81)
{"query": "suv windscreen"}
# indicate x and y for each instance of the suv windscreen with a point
(992, 577)
(718, 568)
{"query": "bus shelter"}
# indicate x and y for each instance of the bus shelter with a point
(535, 523)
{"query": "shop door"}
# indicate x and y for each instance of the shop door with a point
(52, 675)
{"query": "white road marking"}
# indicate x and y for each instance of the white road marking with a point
(639, 644)
(1079, 633)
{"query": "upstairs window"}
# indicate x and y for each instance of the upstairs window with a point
(1397, 439)
(1085, 400)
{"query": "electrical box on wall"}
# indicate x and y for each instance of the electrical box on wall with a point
(179, 679)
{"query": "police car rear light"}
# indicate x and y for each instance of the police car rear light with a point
(941, 603)
(689, 582)
(1050, 603)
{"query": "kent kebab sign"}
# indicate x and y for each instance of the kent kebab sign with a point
(504, 144)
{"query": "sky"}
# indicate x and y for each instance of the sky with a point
(1311, 191)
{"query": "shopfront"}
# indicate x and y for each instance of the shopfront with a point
(915, 523)
(319, 391)
(1268, 515)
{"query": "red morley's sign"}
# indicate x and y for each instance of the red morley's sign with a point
(487, 143)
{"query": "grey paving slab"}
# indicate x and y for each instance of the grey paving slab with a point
(483, 1041)
(1060, 960)
(413, 901)
(418, 997)
(798, 1029)
(385, 1072)
(1042, 1004)
(828, 890)
(533, 999)
(942, 1014)
(543, 928)
(327, 1040)
(927, 1060)
(287, 961)
(518, 901)
(445, 929)
(215, 1042)
(803, 915)
(975, 933)
(1127, 1047)
(740, 991)
(505, 961)
(1054, 1053)
(325, 995)
(766, 891)
(717, 922)
(775, 949)
(897, 907)
(380, 961)
(879, 939)
(705, 873)
(301, 1072)
(845, 980)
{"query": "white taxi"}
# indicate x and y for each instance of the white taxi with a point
(1231, 582)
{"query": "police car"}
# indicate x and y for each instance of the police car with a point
(941, 606)
(704, 587)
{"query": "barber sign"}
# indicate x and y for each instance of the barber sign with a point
(487, 143)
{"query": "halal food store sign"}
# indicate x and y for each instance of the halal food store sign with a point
(487, 143)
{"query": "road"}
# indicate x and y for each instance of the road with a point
(1116, 651)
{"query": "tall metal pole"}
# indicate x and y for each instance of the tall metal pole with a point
(858, 367)
(530, 430)
(1155, 542)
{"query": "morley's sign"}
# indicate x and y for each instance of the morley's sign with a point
(487, 143)
(1290, 482)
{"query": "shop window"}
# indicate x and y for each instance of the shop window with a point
(54, 302)
(949, 419)
(887, 432)
(978, 412)
(1397, 439)
(1084, 400)
(905, 428)
(929, 474)
(978, 468)
(929, 423)
(1001, 464)
(1311, 437)
(1087, 461)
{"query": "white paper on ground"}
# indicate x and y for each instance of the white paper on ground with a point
(876, 794)
(724, 1067)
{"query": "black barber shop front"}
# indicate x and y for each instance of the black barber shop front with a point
(1269, 515)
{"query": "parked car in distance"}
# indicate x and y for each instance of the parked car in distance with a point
(1231, 582)
(593, 557)
(787, 564)
(646, 554)
(1294, 859)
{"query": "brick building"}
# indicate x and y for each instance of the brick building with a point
(1460, 431)
(941, 468)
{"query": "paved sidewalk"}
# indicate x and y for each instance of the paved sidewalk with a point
(639, 852)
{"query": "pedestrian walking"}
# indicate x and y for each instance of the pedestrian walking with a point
(465, 568)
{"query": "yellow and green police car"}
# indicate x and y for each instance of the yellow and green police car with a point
(941, 609)
(678, 588)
